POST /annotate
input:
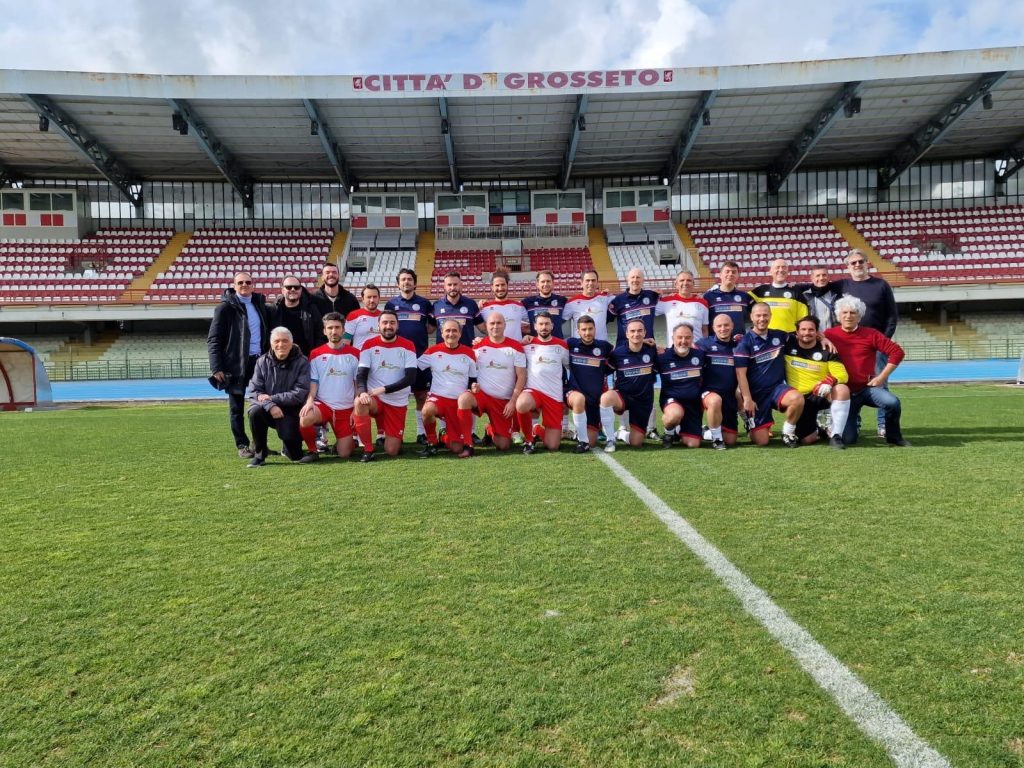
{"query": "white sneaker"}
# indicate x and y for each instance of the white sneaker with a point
(622, 434)
(517, 438)
(609, 447)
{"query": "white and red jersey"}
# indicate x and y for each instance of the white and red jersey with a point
(496, 365)
(361, 324)
(451, 369)
(545, 362)
(387, 362)
(676, 309)
(514, 313)
(595, 307)
(334, 373)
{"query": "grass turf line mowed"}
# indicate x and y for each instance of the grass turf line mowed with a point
(162, 604)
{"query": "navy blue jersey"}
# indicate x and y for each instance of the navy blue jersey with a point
(626, 307)
(465, 311)
(634, 371)
(763, 359)
(414, 315)
(588, 367)
(719, 366)
(735, 304)
(554, 305)
(681, 375)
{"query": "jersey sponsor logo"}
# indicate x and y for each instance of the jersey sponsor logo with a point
(723, 361)
(496, 365)
(410, 317)
(803, 365)
(767, 356)
(684, 373)
(637, 370)
(388, 366)
(636, 312)
(589, 362)
(542, 360)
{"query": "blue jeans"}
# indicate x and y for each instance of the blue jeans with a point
(881, 360)
(880, 398)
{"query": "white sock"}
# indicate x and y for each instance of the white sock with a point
(623, 419)
(419, 423)
(579, 421)
(565, 422)
(716, 433)
(608, 422)
(650, 421)
(840, 412)
(788, 429)
(472, 431)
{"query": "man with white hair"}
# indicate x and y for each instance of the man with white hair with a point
(858, 347)
(278, 390)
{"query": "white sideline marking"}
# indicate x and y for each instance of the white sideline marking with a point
(862, 705)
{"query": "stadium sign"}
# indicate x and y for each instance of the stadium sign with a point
(514, 81)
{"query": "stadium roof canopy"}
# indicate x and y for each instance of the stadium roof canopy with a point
(883, 112)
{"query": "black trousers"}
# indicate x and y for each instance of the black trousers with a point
(236, 407)
(287, 428)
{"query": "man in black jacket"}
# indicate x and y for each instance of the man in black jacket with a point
(238, 335)
(278, 390)
(296, 311)
(332, 296)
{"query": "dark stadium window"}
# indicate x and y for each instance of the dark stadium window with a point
(573, 200)
(39, 201)
(12, 201)
(63, 202)
(545, 200)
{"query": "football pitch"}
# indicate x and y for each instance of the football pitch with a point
(160, 605)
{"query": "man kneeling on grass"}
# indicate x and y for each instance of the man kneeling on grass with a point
(278, 390)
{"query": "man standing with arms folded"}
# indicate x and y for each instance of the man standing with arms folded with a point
(415, 323)
(590, 303)
(500, 379)
(516, 320)
(238, 335)
(761, 374)
(684, 307)
(588, 373)
(332, 390)
(634, 366)
(278, 390)
(452, 366)
(858, 348)
(547, 357)
(387, 369)
(719, 382)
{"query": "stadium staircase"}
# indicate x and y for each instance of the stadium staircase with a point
(599, 253)
(425, 257)
(691, 248)
(856, 240)
(161, 263)
(78, 352)
(337, 247)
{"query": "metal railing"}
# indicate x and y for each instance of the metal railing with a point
(511, 232)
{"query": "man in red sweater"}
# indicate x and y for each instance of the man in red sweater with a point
(858, 347)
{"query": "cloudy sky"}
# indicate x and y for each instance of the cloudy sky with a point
(412, 36)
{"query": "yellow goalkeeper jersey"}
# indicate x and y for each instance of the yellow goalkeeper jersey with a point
(806, 367)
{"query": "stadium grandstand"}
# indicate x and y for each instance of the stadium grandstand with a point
(128, 201)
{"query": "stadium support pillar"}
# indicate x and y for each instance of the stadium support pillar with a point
(578, 126)
(1013, 161)
(699, 117)
(925, 137)
(449, 144)
(331, 148)
(113, 170)
(798, 149)
(217, 152)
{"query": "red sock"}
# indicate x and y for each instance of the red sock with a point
(525, 424)
(363, 431)
(466, 425)
(430, 430)
(309, 437)
(488, 431)
(538, 432)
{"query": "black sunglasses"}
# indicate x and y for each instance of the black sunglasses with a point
(293, 287)
(243, 282)
(855, 263)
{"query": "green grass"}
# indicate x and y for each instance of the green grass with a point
(163, 606)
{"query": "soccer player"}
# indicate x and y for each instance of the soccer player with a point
(858, 347)
(362, 324)
(784, 299)
(727, 299)
(588, 372)
(453, 368)
(415, 323)
(761, 374)
(546, 301)
(683, 307)
(591, 303)
(457, 307)
(719, 395)
(818, 375)
(517, 322)
(547, 357)
(500, 378)
(681, 369)
(633, 363)
(332, 390)
(387, 369)
(635, 303)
